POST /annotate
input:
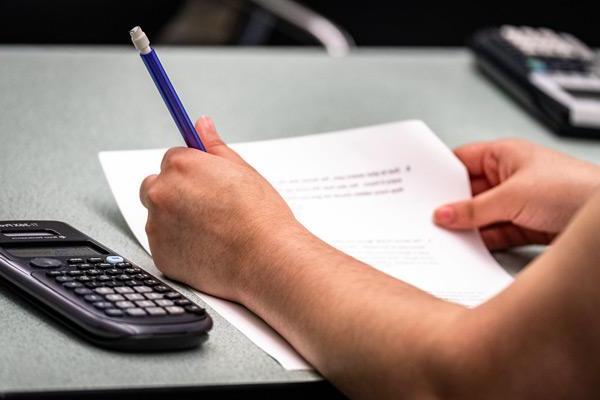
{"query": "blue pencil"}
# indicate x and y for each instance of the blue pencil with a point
(165, 88)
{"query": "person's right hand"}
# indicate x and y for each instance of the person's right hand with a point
(523, 193)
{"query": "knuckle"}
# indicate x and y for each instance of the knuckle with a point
(177, 159)
(150, 228)
(155, 196)
(147, 183)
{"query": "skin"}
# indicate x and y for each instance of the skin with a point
(217, 225)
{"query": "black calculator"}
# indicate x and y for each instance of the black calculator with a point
(105, 297)
(553, 74)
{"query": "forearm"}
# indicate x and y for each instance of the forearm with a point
(368, 333)
(372, 335)
(539, 337)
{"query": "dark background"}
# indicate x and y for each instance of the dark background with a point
(223, 22)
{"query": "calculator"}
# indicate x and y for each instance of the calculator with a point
(553, 74)
(100, 294)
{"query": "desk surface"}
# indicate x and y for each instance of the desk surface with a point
(60, 106)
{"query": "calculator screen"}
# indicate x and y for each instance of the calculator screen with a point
(55, 251)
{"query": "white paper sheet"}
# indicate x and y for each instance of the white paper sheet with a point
(368, 191)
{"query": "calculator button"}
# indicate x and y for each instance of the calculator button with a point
(145, 303)
(72, 285)
(183, 302)
(123, 265)
(113, 312)
(75, 260)
(124, 277)
(75, 273)
(161, 288)
(142, 289)
(133, 283)
(104, 290)
(84, 278)
(93, 284)
(134, 296)
(63, 278)
(83, 291)
(195, 309)
(114, 259)
(114, 297)
(112, 271)
(153, 296)
(93, 297)
(175, 310)
(129, 270)
(111, 284)
(104, 278)
(123, 289)
(55, 273)
(135, 312)
(85, 266)
(103, 304)
(104, 265)
(43, 262)
(124, 304)
(142, 276)
(156, 311)
(164, 303)
(95, 260)
(172, 295)
(151, 282)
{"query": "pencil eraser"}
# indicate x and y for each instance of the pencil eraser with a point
(140, 40)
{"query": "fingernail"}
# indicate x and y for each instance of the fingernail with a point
(444, 215)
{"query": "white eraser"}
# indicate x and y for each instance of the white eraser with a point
(140, 40)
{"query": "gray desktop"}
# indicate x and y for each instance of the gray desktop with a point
(62, 105)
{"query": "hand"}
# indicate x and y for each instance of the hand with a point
(208, 213)
(523, 193)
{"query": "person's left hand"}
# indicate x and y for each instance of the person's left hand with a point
(209, 214)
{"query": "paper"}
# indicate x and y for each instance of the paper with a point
(369, 192)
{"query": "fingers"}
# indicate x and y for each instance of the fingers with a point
(492, 206)
(213, 142)
(479, 185)
(471, 155)
(147, 183)
(505, 236)
(486, 158)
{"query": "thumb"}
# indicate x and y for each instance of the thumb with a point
(213, 142)
(492, 206)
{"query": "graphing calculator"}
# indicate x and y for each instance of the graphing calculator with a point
(553, 74)
(99, 293)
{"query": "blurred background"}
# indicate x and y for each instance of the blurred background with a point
(283, 22)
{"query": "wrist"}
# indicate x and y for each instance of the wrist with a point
(270, 261)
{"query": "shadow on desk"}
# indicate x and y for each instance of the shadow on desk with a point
(302, 390)
(286, 391)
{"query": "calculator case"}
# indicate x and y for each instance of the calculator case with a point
(123, 333)
(527, 80)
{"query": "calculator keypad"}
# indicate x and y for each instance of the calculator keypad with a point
(119, 289)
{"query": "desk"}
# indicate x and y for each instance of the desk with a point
(60, 106)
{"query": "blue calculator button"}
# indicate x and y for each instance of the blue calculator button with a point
(114, 259)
